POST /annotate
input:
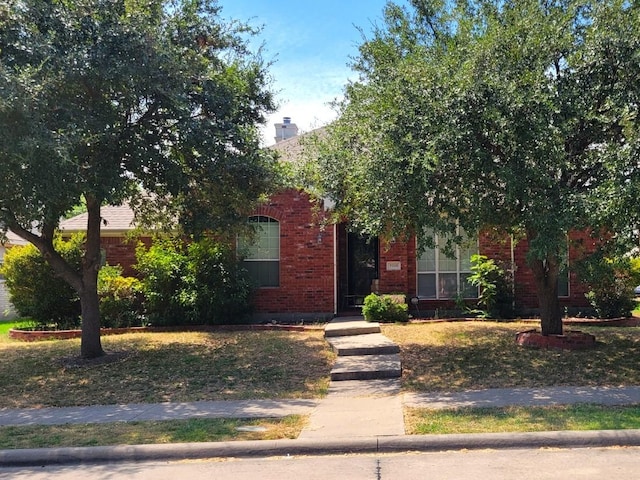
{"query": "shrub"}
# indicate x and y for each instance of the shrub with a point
(610, 282)
(496, 294)
(36, 291)
(199, 283)
(385, 308)
(161, 266)
(221, 286)
(120, 299)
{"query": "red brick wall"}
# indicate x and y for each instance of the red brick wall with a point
(391, 255)
(306, 257)
(122, 251)
(493, 246)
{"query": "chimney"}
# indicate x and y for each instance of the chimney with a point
(285, 130)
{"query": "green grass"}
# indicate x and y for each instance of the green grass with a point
(521, 419)
(138, 433)
(479, 355)
(6, 325)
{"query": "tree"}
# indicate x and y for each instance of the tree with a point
(519, 115)
(152, 102)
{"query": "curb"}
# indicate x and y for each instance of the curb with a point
(267, 448)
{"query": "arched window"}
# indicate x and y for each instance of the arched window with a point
(262, 251)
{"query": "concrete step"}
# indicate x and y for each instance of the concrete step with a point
(367, 344)
(339, 327)
(366, 367)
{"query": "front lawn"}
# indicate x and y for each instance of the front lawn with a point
(165, 367)
(477, 355)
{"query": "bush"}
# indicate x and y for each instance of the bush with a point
(221, 286)
(496, 294)
(385, 308)
(610, 282)
(161, 267)
(120, 299)
(199, 283)
(36, 291)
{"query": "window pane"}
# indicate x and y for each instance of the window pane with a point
(467, 290)
(263, 273)
(427, 261)
(445, 271)
(563, 282)
(447, 285)
(263, 252)
(446, 264)
(427, 285)
(466, 251)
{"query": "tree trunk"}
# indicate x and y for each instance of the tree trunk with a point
(545, 274)
(91, 346)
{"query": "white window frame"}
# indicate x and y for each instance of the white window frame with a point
(437, 272)
(252, 254)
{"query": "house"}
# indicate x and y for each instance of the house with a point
(117, 224)
(7, 311)
(308, 268)
(319, 269)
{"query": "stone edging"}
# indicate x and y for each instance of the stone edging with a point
(39, 335)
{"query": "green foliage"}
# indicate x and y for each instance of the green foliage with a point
(120, 299)
(610, 282)
(221, 285)
(385, 308)
(199, 283)
(161, 267)
(156, 103)
(496, 114)
(496, 294)
(36, 291)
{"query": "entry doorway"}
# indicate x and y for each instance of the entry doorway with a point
(362, 268)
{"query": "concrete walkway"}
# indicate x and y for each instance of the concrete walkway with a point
(363, 398)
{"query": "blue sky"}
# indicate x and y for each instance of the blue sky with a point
(311, 42)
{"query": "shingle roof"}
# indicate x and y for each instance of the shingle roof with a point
(114, 219)
(291, 149)
(13, 239)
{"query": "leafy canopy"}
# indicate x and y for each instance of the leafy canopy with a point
(153, 102)
(521, 115)
(104, 99)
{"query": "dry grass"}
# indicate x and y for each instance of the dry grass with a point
(478, 355)
(166, 367)
(139, 433)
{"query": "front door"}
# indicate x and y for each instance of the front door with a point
(362, 267)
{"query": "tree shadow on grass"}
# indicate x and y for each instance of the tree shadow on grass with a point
(483, 357)
(181, 367)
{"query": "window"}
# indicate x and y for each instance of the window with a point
(444, 277)
(262, 252)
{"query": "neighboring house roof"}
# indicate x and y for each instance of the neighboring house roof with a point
(291, 149)
(13, 239)
(115, 220)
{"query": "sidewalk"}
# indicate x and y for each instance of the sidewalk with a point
(280, 408)
(377, 439)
